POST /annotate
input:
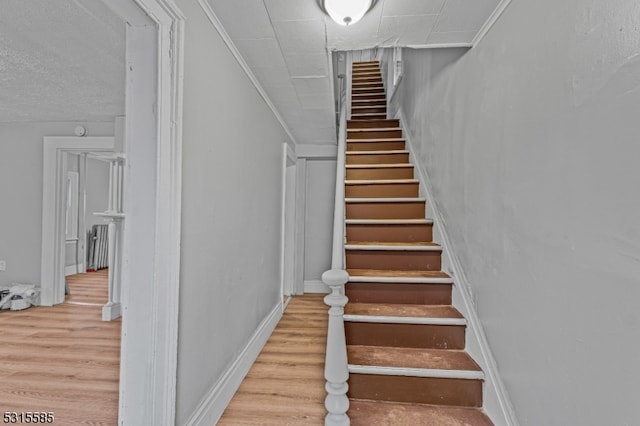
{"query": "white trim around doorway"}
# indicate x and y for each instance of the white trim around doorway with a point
(55, 149)
(153, 184)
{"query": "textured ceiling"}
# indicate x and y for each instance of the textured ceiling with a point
(287, 45)
(60, 60)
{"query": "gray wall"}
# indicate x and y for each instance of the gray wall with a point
(97, 200)
(531, 142)
(97, 191)
(320, 200)
(21, 188)
(231, 212)
(71, 247)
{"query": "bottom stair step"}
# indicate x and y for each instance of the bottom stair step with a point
(398, 292)
(376, 413)
(445, 363)
(416, 390)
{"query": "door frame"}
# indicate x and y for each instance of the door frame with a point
(54, 199)
(152, 199)
(289, 257)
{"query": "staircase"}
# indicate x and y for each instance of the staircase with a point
(405, 341)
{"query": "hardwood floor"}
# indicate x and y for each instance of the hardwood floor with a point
(285, 386)
(63, 359)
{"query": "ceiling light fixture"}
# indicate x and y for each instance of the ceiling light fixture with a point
(346, 12)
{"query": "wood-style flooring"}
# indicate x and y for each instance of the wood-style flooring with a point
(63, 359)
(285, 386)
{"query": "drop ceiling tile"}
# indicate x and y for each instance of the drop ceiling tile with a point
(451, 37)
(311, 86)
(284, 98)
(403, 30)
(316, 101)
(245, 19)
(313, 64)
(293, 10)
(261, 52)
(411, 7)
(312, 118)
(273, 76)
(299, 37)
(465, 15)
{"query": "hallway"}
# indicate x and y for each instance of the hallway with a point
(285, 385)
(63, 359)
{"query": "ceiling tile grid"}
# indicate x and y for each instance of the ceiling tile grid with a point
(246, 19)
(50, 69)
(465, 15)
(287, 43)
(412, 7)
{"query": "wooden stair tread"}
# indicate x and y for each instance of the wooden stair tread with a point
(375, 140)
(374, 116)
(391, 151)
(389, 221)
(378, 166)
(378, 95)
(378, 181)
(380, 413)
(386, 200)
(394, 243)
(371, 100)
(390, 273)
(402, 310)
(388, 120)
(388, 356)
(373, 129)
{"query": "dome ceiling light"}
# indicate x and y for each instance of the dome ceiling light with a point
(346, 12)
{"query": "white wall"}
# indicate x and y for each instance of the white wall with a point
(97, 197)
(71, 254)
(21, 149)
(531, 142)
(320, 199)
(231, 212)
(97, 191)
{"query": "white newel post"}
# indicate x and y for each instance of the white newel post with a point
(114, 216)
(336, 368)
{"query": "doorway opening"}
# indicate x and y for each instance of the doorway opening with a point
(152, 205)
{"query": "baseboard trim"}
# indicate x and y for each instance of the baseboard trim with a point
(316, 286)
(216, 400)
(73, 269)
(463, 288)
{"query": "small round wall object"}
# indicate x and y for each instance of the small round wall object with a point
(80, 131)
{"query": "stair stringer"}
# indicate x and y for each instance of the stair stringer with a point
(496, 401)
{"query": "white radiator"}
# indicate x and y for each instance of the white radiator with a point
(98, 247)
